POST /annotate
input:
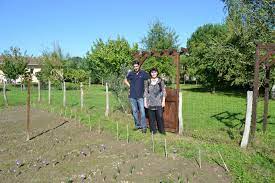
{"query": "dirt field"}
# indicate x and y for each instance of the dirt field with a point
(61, 151)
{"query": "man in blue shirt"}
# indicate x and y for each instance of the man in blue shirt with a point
(135, 80)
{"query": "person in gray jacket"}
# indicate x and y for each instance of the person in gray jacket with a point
(154, 101)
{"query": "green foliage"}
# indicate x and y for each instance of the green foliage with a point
(250, 21)
(75, 75)
(207, 54)
(166, 69)
(224, 55)
(14, 63)
(106, 58)
(52, 66)
(119, 89)
(75, 63)
(160, 37)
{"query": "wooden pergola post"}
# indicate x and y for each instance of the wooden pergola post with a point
(270, 50)
(255, 94)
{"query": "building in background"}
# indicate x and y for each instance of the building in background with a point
(33, 63)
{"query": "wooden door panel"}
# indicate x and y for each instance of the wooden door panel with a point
(170, 114)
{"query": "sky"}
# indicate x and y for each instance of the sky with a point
(34, 25)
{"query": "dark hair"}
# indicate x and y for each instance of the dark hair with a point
(153, 69)
(135, 62)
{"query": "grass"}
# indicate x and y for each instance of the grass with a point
(212, 123)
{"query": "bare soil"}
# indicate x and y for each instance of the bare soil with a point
(62, 151)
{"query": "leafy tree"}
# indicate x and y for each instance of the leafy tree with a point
(75, 75)
(160, 37)
(14, 63)
(52, 66)
(248, 23)
(206, 48)
(106, 58)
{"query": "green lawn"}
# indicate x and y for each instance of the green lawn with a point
(212, 123)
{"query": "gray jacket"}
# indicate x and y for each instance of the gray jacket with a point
(154, 93)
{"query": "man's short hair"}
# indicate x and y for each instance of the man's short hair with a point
(135, 62)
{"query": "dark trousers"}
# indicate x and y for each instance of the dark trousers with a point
(156, 116)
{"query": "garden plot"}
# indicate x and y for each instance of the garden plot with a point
(62, 151)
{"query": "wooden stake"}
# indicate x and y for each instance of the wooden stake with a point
(153, 142)
(127, 133)
(90, 123)
(49, 92)
(223, 162)
(117, 130)
(28, 109)
(99, 127)
(39, 94)
(165, 147)
(4, 93)
(107, 101)
(180, 114)
(200, 158)
(81, 96)
(64, 94)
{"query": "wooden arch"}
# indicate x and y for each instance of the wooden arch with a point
(172, 53)
(171, 112)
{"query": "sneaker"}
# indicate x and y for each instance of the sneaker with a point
(137, 128)
(144, 130)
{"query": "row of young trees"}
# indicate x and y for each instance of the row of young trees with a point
(219, 54)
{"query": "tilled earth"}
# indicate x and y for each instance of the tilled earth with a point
(62, 151)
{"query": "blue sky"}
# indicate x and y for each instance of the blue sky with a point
(33, 25)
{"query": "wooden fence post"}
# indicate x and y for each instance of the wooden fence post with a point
(39, 94)
(49, 92)
(89, 82)
(64, 93)
(107, 101)
(246, 132)
(28, 109)
(4, 93)
(180, 114)
(81, 95)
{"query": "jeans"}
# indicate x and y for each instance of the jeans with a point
(156, 115)
(138, 107)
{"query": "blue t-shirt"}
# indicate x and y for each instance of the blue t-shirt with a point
(137, 83)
